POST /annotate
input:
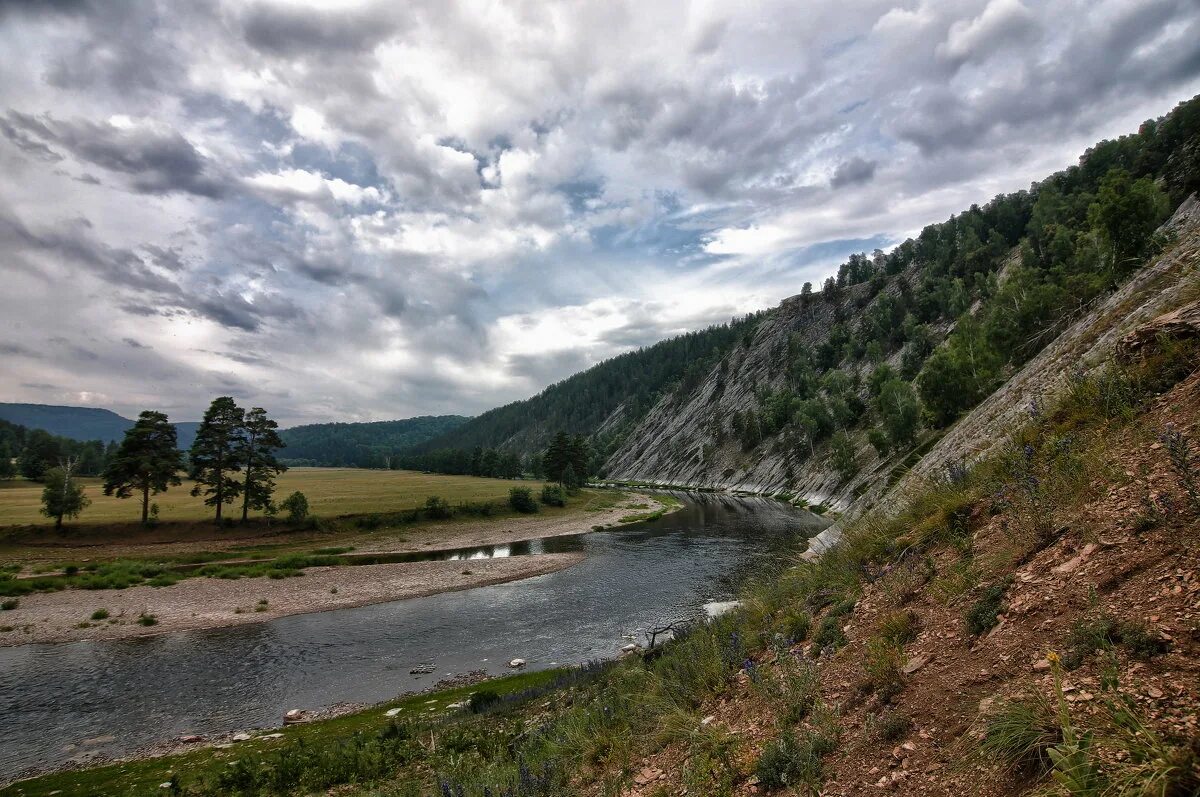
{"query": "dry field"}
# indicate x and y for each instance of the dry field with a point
(330, 492)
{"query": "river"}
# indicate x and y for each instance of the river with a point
(112, 698)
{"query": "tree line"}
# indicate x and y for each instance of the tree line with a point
(233, 459)
(32, 452)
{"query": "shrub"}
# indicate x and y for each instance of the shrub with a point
(1104, 633)
(1179, 453)
(436, 508)
(890, 726)
(881, 669)
(482, 700)
(985, 612)
(296, 507)
(899, 628)
(553, 495)
(147, 619)
(10, 604)
(521, 499)
(791, 760)
(100, 614)
(797, 626)
(829, 634)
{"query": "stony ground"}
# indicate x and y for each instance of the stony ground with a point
(1101, 561)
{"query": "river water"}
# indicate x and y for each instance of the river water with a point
(59, 702)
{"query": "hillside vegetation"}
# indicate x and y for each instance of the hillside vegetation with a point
(605, 401)
(376, 444)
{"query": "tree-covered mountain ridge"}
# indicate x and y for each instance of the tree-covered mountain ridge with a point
(838, 391)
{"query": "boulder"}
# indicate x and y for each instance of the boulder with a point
(240, 737)
(294, 716)
(1175, 325)
(517, 663)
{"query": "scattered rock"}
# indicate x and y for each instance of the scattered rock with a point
(191, 738)
(517, 663)
(422, 669)
(293, 716)
(391, 712)
(240, 737)
(914, 664)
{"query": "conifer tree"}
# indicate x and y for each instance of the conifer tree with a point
(260, 438)
(147, 461)
(216, 454)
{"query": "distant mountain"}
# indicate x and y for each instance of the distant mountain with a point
(364, 445)
(77, 423)
(354, 444)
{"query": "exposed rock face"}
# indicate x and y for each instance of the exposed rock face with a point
(685, 440)
(1176, 325)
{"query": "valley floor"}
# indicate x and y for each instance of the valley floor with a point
(203, 602)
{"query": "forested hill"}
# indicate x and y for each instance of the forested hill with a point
(363, 445)
(82, 423)
(77, 423)
(604, 401)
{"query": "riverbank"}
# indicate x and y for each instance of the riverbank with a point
(200, 602)
(197, 603)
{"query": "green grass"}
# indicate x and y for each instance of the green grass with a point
(193, 767)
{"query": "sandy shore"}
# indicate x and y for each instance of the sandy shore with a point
(210, 603)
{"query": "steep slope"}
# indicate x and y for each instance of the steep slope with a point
(604, 401)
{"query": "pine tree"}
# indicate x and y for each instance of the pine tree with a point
(260, 438)
(217, 453)
(147, 461)
(557, 457)
(63, 495)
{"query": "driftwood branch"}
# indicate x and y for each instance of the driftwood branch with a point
(654, 633)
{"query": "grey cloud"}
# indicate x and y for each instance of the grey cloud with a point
(852, 171)
(17, 350)
(298, 31)
(133, 344)
(157, 160)
(1002, 23)
(545, 369)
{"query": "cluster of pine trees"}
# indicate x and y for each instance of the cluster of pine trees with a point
(232, 458)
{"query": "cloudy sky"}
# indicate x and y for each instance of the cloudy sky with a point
(364, 210)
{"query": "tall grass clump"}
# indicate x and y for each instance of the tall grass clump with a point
(1020, 732)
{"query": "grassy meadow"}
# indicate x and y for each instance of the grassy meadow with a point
(330, 491)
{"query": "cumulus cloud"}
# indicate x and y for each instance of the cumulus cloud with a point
(367, 209)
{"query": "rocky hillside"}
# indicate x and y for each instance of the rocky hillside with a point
(808, 382)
